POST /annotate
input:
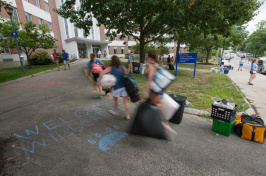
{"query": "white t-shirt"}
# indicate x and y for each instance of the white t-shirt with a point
(99, 52)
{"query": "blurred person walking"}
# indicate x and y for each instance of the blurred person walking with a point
(66, 59)
(253, 70)
(241, 63)
(155, 98)
(129, 62)
(95, 67)
(56, 59)
(118, 70)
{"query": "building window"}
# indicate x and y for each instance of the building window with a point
(129, 49)
(129, 38)
(15, 15)
(37, 3)
(76, 31)
(122, 50)
(115, 37)
(40, 21)
(106, 38)
(109, 49)
(46, 6)
(115, 50)
(26, 0)
(28, 17)
(66, 28)
(50, 26)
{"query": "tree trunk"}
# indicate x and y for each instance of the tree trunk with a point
(28, 59)
(208, 54)
(177, 48)
(141, 48)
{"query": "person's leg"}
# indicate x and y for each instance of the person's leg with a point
(100, 90)
(251, 78)
(57, 64)
(129, 66)
(69, 66)
(125, 100)
(114, 111)
(65, 64)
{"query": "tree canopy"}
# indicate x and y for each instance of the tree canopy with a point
(149, 20)
(28, 40)
(257, 40)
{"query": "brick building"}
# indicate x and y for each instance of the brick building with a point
(37, 11)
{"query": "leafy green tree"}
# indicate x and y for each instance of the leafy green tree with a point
(150, 20)
(28, 40)
(163, 50)
(147, 48)
(257, 43)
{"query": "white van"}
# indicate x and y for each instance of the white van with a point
(262, 65)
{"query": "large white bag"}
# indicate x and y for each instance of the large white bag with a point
(168, 107)
(108, 81)
(161, 80)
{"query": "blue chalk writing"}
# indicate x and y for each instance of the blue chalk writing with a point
(53, 137)
(32, 150)
(68, 121)
(63, 137)
(87, 113)
(28, 132)
(108, 141)
(47, 126)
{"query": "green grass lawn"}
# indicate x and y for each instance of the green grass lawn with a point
(8, 74)
(198, 66)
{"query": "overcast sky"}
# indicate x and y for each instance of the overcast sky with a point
(261, 16)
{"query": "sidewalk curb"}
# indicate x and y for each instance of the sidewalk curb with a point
(33, 75)
(186, 110)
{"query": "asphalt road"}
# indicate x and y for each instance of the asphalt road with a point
(57, 127)
(236, 60)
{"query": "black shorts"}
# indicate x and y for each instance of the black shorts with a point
(95, 76)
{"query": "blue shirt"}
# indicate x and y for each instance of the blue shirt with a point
(119, 74)
(219, 59)
(96, 61)
(65, 56)
(131, 58)
(255, 66)
(241, 61)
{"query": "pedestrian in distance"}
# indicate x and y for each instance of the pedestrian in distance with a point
(219, 61)
(66, 59)
(105, 55)
(253, 70)
(161, 60)
(154, 98)
(129, 62)
(168, 61)
(118, 70)
(95, 67)
(56, 59)
(99, 53)
(241, 63)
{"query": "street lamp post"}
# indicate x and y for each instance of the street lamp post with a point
(9, 11)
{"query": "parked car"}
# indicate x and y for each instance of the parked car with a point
(262, 65)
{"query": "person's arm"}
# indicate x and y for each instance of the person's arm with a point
(107, 70)
(126, 70)
(151, 73)
(67, 56)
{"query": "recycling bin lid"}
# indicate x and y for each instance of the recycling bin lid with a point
(178, 97)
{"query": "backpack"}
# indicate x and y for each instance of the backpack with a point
(96, 68)
(250, 128)
(131, 88)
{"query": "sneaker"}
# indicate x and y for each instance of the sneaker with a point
(250, 83)
(98, 96)
(128, 117)
(113, 112)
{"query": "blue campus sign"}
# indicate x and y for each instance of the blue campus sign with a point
(186, 58)
(14, 34)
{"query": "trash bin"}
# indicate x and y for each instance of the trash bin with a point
(142, 68)
(222, 62)
(136, 67)
(226, 71)
(178, 116)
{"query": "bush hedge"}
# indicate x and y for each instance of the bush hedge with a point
(41, 57)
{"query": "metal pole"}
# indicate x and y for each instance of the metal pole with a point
(17, 44)
(223, 49)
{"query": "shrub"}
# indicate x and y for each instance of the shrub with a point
(60, 57)
(40, 57)
(127, 55)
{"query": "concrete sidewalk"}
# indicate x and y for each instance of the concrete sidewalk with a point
(254, 94)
